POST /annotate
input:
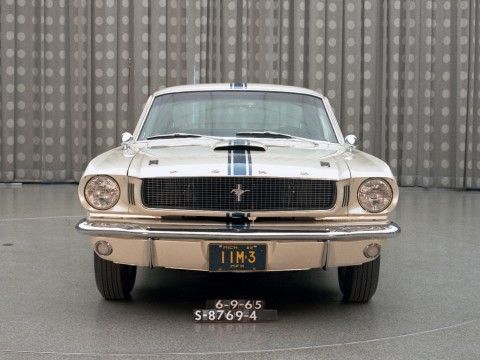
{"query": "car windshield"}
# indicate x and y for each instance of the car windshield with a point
(226, 113)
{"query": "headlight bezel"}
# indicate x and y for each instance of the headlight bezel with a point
(389, 190)
(111, 204)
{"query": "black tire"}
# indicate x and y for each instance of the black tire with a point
(358, 283)
(114, 281)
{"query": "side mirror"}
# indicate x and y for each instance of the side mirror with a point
(126, 139)
(352, 141)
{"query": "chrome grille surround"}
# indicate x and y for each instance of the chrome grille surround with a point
(222, 194)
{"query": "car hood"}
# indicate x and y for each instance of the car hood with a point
(206, 158)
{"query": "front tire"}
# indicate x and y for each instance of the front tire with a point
(358, 283)
(114, 281)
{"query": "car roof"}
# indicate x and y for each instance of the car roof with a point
(237, 87)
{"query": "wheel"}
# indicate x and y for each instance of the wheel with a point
(114, 281)
(358, 283)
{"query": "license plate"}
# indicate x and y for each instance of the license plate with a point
(237, 257)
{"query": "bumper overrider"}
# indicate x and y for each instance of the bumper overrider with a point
(180, 246)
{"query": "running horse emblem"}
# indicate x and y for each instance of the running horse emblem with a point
(238, 191)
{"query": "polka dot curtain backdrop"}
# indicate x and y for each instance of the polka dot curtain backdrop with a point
(403, 75)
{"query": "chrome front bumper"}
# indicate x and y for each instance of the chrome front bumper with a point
(186, 246)
(145, 231)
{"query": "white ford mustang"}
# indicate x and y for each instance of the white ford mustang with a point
(237, 177)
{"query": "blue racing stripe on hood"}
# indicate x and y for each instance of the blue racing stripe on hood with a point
(249, 161)
(239, 164)
(239, 161)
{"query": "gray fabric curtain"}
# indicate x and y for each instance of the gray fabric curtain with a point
(402, 75)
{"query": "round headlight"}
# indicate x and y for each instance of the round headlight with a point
(102, 192)
(375, 195)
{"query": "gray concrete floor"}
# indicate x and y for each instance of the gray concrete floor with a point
(426, 307)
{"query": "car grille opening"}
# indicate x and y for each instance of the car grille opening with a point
(245, 194)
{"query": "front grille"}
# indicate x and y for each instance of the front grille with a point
(244, 194)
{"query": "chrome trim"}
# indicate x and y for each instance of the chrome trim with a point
(346, 195)
(131, 193)
(132, 230)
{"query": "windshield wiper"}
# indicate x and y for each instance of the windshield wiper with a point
(274, 135)
(178, 135)
(264, 134)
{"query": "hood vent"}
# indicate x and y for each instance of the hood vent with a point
(228, 147)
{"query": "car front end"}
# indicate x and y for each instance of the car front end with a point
(257, 201)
